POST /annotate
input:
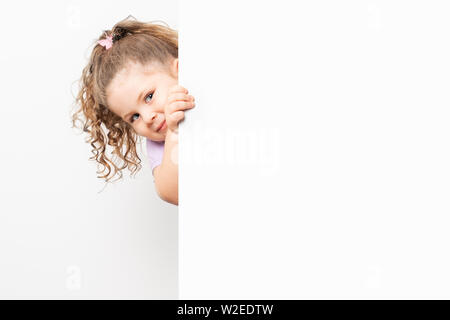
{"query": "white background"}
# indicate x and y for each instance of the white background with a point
(59, 237)
(316, 162)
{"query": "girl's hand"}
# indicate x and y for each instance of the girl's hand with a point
(178, 100)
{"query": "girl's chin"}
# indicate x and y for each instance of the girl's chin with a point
(156, 139)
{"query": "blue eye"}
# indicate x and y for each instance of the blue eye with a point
(132, 119)
(150, 94)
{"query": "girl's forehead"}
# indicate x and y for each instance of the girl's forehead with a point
(133, 69)
(131, 74)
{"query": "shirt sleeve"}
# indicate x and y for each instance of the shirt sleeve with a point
(155, 151)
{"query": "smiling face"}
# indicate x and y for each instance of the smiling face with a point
(138, 94)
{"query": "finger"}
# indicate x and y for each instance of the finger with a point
(180, 97)
(180, 105)
(177, 116)
(178, 88)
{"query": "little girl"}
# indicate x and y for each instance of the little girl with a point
(130, 86)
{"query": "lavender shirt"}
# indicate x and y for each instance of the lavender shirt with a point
(155, 150)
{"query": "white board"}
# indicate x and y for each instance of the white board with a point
(316, 163)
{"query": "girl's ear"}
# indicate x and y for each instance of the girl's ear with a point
(175, 67)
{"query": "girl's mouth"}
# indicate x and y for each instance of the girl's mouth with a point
(163, 125)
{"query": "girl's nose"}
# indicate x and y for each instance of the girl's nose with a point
(149, 117)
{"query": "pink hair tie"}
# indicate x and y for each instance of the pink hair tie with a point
(107, 43)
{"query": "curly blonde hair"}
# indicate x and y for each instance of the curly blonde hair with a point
(142, 42)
